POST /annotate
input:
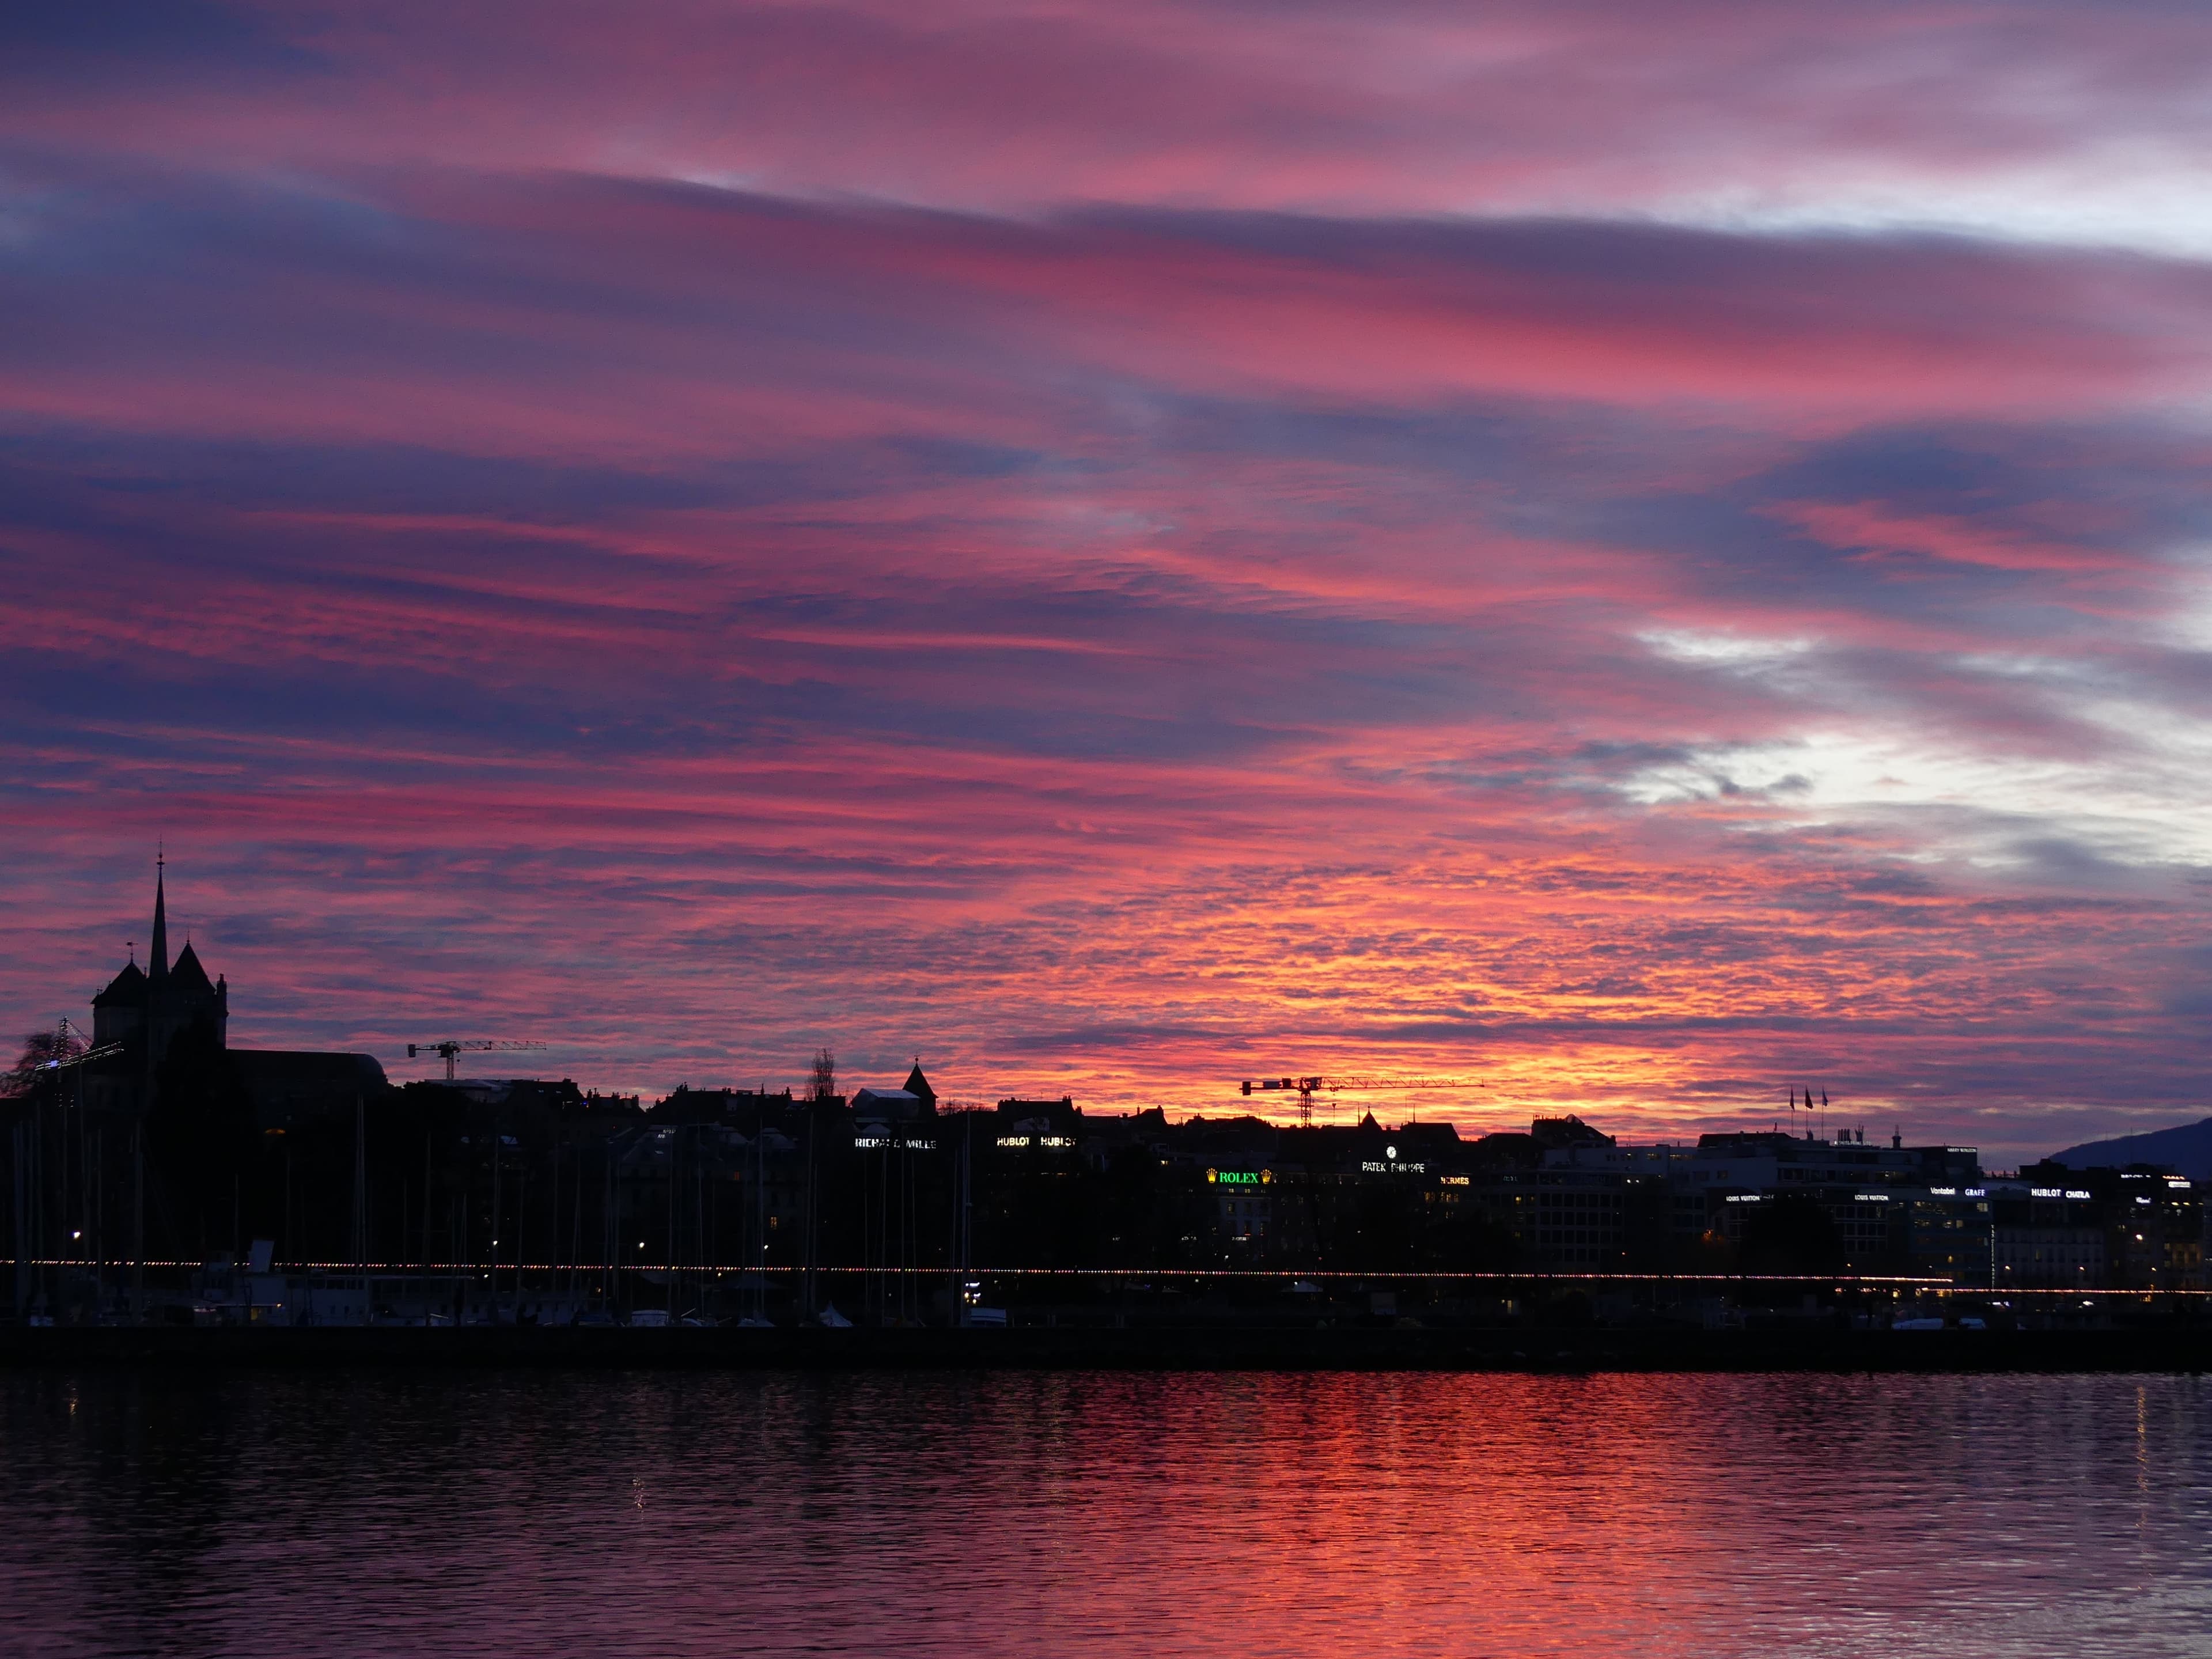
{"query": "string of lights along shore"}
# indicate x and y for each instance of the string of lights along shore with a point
(294, 1185)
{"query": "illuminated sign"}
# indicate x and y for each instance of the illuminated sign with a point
(1743, 1198)
(1453, 1181)
(2045, 1192)
(1240, 1178)
(1869, 1198)
(1942, 1192)
(891, 1143)
(1037, 1141)
(2071, 1193)
(1373, 1167)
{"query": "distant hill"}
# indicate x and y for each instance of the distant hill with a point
(2188, 1148)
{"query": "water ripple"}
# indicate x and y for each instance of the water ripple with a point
(1005, 1514)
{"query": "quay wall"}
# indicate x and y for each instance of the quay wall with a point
(2181, 1347)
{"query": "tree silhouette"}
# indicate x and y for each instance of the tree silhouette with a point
(41, 1051)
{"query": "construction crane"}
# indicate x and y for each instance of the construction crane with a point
(84, 1059)
(84, 1056)
(1307, 1087)
(452, 1046)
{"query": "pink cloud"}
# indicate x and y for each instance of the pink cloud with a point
(1123, 547)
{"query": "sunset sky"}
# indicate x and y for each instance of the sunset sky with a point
(1646, 554)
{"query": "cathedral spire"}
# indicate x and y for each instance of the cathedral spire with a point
(157, 966)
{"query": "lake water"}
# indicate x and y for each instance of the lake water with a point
(1134, 1515)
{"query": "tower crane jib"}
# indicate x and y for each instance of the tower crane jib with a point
(1307, 1087)
(451, 1047)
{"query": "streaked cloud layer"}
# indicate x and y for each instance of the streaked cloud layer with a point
(1653, 553)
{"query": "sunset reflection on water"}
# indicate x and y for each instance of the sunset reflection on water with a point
(1118, 1514)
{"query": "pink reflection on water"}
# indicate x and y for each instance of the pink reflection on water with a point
(1111, 1514)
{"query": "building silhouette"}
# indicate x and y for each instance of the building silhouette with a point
(156, 1014)
(155, 1003)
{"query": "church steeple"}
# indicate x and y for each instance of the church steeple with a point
(157, 965)
(167, 999)
(918, 1086)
